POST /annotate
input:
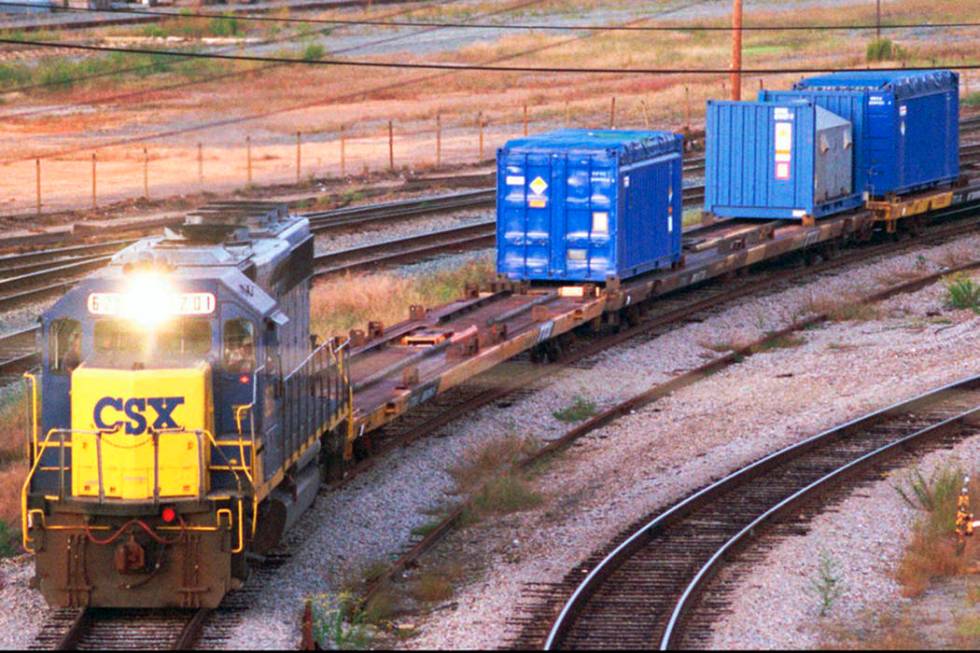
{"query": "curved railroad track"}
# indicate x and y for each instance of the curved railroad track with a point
(653, 587)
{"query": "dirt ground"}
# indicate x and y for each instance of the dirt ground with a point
(230, 108)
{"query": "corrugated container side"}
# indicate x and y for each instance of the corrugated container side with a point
(576, 205)
(761, 162)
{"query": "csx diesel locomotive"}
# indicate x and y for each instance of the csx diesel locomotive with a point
(181, 414)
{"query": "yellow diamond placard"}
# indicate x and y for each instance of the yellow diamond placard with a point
(539, 186)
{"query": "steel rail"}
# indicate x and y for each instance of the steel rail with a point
(76, 631)
(636, 542)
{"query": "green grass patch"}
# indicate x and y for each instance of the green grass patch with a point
(885, 50)
(782, 342)
(972, 100)
(962, 292)
(505, 494)
(224, 26)
(581, 409)
(338, 624)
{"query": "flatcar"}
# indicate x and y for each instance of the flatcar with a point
(181, 413)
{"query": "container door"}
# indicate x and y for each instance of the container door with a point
(883, 142)
(790, 149)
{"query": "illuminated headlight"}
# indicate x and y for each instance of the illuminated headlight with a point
(150, 299)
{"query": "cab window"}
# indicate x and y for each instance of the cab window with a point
(64, 345)
(239, 346)
(184, 338)
(116, 336)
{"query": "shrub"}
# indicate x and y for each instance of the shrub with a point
(581, 409)
(487, 459)
(885, 50)
(224, 26)
(9, 540)
(313, 52)
(962, 292)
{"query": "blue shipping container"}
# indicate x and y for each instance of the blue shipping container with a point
(782, 161)
(906, 125)
(581, 205)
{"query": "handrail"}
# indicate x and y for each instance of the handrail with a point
(34, 413)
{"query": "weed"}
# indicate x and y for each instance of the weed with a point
(846, 308)
(968, 631)
(487, 459)
(780, 342)
(506, 494)
(432, 587)
(313, 52)
(337, 623)
(932, 548)
(972, 100)
(581, 409)
(426, 528)
(9, 540)
(884, 629)
(828, 585)
(962, 292)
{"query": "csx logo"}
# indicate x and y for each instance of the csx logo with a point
(135, 409)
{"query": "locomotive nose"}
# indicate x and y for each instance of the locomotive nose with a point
(140, 434)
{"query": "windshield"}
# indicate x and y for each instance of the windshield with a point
(124, 340)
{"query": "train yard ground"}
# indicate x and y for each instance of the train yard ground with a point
(520, 531)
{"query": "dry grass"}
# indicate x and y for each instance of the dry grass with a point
(488, 478)
(882, 630)
(932, 549)
(436, 585)
(13, 466)
(340, 305)
(842, 308)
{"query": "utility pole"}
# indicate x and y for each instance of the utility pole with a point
(878, 20)
(736, 50)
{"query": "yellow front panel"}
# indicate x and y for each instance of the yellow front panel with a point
(131, 403)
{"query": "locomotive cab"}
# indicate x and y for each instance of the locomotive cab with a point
(160, 431)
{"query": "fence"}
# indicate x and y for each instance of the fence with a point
(161, 170)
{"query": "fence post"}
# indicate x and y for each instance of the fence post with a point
(343, 151)
(200, 164)
(299, 155)
(612, 113)
(438, 139)
(525, 127)
(687, 108)
(37, 178)
(479, 122)
(761, 83)
(248, 160)
(146, 174)
(94, 204)
(391, 147)
(646, 118)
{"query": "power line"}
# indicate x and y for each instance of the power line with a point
(514, 26)
(403, 65)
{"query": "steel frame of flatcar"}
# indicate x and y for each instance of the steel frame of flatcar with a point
(391, 378)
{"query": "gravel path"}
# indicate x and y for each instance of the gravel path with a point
(660, 453)
(774, 605)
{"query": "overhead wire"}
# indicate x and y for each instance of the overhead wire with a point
(511, 26)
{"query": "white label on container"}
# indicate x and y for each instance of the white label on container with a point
(670, 224)
(782, 157)
(876, 100)
(903, 110)
(782, 113)
(784, 137)
(514, 180)
(600, 223)
(782, 171)
(626, 181)
(798, 213)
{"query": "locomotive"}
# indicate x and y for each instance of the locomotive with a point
(181, 413)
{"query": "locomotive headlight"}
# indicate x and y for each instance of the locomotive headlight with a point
(148, 300)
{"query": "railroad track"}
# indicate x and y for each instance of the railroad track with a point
(653, 587)
(122, 629)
